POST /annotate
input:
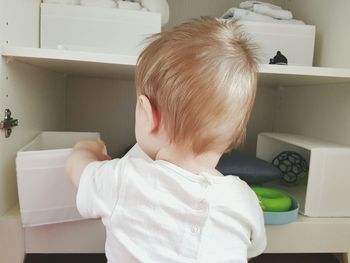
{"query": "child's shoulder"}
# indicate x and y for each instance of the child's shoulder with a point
(238, 191)
(237, 185)
(136, 164)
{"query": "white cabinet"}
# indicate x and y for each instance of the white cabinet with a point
(79, 91)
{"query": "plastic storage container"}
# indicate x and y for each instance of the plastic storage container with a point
(326, 193)
(295, 42)
(46, 196)
(96, 29)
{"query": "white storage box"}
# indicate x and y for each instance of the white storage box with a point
(94, 29)
(296, 42)
(46, 196)
(327, 192)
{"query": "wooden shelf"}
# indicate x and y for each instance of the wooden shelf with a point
(123, 67)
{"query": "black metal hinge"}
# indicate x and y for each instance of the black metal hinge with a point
(8, 123)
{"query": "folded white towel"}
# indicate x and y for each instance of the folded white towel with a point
(250, 4)
(98, 3)
(290, 21)
(257, 17)
(235, 13)
(129, 5)
(265, 10)
(51, 1)
(63, 2)
(243, 14)
(70, 2)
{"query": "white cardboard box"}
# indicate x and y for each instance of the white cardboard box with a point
(46, 196)
(296, 42)
(327, 191)
(94, 29)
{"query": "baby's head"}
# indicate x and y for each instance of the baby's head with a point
(200, 79)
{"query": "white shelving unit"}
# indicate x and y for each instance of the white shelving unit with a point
(282, 239)
(42, 99)
(123, 67)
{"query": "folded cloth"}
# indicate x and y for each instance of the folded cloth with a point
(290, 21)
(98, 3)
(243, 14)
(235, 13)
(265, 10)
(129, 5)
(251, 16)
(70, 2)
(250, 4)
(63, 2)
(51, 1)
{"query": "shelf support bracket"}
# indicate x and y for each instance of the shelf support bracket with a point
(9, 59)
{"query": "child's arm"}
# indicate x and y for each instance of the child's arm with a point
(84, 152)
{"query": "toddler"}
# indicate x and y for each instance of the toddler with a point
(195, 88)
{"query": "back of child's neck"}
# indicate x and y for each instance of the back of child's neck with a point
(194, 163)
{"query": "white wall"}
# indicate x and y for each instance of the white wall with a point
(321, 111)
(105, 106)
(332, 22)
(182, 10)
(318, 111)
(262, 118)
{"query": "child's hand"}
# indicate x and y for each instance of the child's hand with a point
(97, 148)
(83, 153)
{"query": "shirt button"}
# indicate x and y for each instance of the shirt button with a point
(205, 184)
(195, 229)
(203, 206)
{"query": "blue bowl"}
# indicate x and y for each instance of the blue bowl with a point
(279, 218)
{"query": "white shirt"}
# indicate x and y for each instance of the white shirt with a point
(155, 211)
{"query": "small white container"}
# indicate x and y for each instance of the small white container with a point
(96, 29)
(46, 196)
(327, 192)
(295, 42)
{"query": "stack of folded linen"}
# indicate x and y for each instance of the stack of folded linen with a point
(155, 6)
(98, 3)
(64, 2)
(261, 11)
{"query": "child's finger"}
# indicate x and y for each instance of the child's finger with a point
(103, 145)
(104, 157)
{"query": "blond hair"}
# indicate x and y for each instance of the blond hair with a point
(200, 78)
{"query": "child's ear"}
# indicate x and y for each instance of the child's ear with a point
(150, 113)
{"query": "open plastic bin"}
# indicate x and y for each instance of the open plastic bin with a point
(96, 29)
(296, 42)
(46, 196)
